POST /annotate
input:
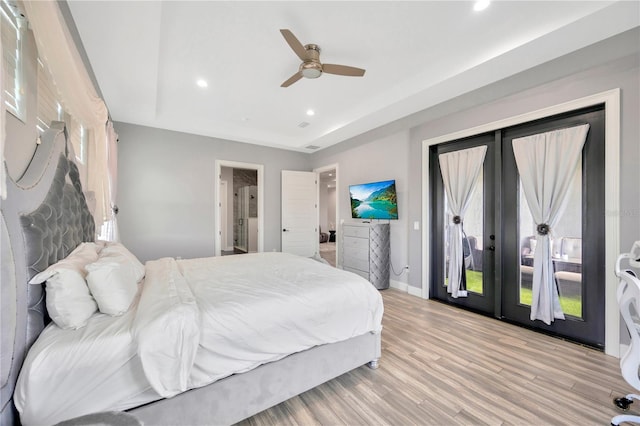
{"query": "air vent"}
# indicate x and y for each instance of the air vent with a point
(312, 147)
(303, 124)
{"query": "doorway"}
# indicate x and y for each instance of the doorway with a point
(327, 217)
(240, 202)
(499, 237)
(239, 211)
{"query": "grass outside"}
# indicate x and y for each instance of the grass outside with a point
(570, 306)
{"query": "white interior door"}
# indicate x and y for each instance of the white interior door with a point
(299, 213)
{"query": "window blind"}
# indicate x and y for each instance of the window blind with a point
(49, 109)
(48, 106)
(12, 30)
(76, 136)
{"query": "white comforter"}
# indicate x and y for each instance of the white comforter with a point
(195, 321)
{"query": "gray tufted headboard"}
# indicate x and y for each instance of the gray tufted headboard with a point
(44, 217)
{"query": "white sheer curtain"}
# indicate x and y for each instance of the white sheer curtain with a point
(110, 228)
(460, 171)
(58, 52)
(546, 163)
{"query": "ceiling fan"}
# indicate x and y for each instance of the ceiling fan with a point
(311, 67)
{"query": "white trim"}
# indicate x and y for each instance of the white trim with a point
(414, 291)
(259, 168)
(319, 170)
(224, 208)
(404, 287)
(611, 100)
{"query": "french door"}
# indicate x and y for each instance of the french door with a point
(478, 246)
(499, 239)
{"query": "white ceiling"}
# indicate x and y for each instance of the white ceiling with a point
(147, 56)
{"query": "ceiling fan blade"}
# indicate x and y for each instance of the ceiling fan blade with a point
(295, 44)
(297, 76)
(342, 70)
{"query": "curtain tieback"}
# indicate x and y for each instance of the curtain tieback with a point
(543, 229)
(457, 220)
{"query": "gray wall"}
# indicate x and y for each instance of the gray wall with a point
(612, 63)
(166, 190)
(381, 159)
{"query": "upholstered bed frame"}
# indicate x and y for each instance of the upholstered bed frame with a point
(44, 217)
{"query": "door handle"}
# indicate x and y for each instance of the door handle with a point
(284, 230)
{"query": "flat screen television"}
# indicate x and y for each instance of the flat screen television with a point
(374, 200)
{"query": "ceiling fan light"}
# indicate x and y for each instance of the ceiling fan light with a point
(311, 72)
(481, 5)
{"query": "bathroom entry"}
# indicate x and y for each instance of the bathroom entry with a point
(240, 223)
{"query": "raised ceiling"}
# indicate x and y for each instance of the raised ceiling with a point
(148, 55)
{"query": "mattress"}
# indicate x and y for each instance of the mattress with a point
(226, 315)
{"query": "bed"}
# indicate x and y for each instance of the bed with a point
(298, 323)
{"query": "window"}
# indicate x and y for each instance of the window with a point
(77, 137)
(49, 109)
(12, 33)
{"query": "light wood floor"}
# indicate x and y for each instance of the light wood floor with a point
(446, 366)
(328, 253)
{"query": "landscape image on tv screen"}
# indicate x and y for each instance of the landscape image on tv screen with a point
(375, 200)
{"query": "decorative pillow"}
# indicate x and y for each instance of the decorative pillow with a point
(118, 250)
(69, 302)
(113, 283)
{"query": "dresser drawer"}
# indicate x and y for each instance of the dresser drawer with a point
(356, 231)
(353, 243)
(354, 262)
(358, 253)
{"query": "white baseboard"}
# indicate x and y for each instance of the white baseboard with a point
(413, 291)
(398, 285)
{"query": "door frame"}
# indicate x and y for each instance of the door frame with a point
(611, 100)
(319, 170)
(259, 168)
(223, 215)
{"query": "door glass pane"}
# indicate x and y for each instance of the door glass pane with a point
(472, 243)
(472, 238)
(566, 249)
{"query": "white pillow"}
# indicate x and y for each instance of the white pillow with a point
(113, 283)
(69, 302)
(118, 250)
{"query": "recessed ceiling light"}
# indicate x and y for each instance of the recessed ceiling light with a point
(202, 83)
(311, 112)
(481, 5)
